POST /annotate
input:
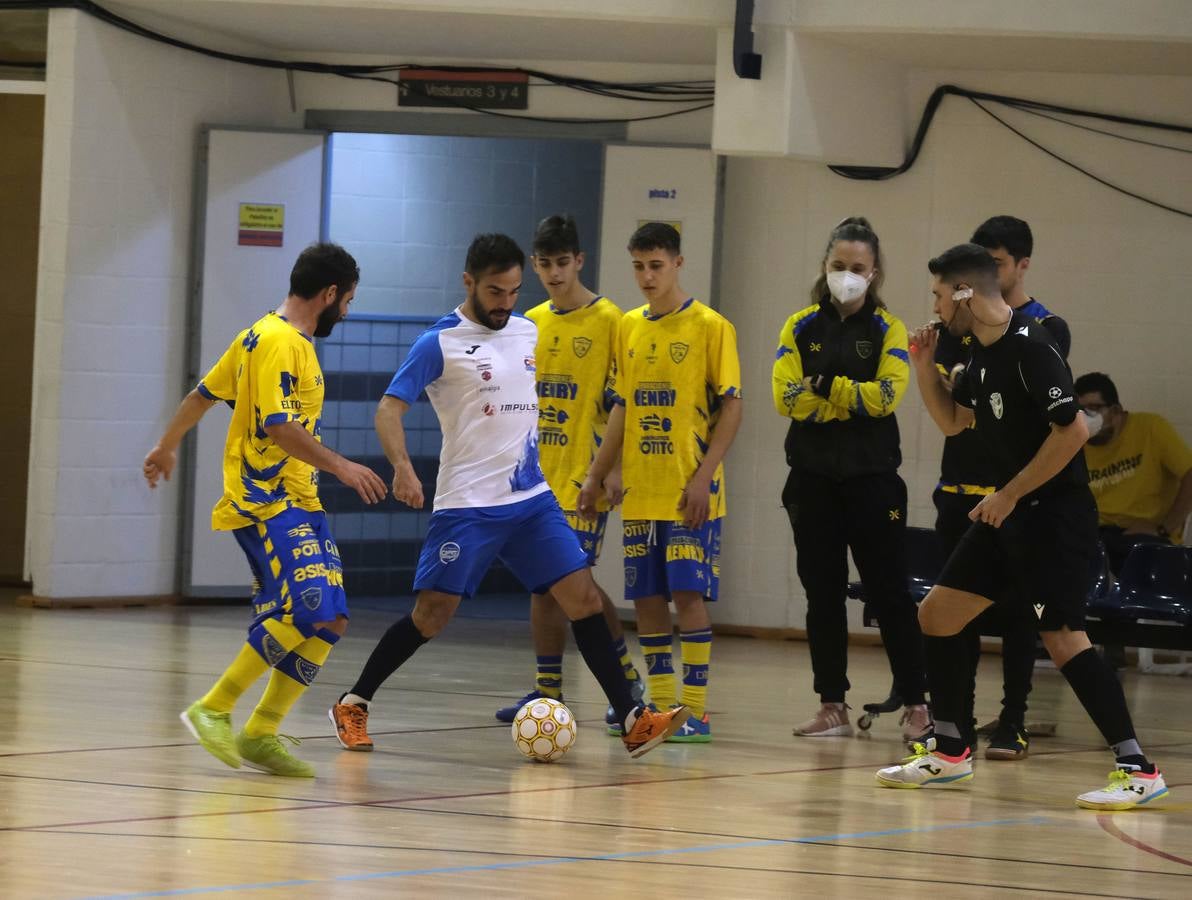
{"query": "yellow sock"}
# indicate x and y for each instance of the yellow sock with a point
(696, 649)
(626, 660)
(660, 672)
(237, 678)
(548, 681)
(290, 678)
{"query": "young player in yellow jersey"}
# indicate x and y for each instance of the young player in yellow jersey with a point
(576, 332)
(271, 378)
(677, 387)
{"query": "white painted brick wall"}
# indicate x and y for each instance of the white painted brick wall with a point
(123, 117)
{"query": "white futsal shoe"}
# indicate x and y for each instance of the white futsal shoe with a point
(925, 767)
(1128, 787)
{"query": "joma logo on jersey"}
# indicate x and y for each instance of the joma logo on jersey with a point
(655, 396)
(557, 387)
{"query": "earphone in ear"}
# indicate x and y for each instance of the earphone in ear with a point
(962, 294)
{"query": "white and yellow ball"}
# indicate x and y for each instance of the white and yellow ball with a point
(544, 730)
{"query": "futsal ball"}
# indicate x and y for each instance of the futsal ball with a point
(544, 730)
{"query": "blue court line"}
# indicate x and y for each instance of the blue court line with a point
(609, 857)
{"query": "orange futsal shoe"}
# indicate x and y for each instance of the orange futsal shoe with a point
(648, 728)
(351, 726)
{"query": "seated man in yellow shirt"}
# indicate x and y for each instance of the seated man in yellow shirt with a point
(1140, 471)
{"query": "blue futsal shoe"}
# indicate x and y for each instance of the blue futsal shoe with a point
(694, 731)
(508, 713)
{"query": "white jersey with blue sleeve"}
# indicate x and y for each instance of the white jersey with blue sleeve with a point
(481, 385)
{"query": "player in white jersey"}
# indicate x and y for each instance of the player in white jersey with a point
(477, 367)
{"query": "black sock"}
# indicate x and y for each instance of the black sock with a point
(596, 646)
(1100, 693)
(949, 672)
(968, 723)
(394, 648)
(1019, 637)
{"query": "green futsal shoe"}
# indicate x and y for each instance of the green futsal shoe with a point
(267, 754)
(213, 731)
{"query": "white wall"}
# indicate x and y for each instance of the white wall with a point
(1110, 265)
(122, 122)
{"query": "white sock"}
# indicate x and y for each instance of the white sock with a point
(354, 700)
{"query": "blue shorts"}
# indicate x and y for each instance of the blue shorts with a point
(532, 538)
(296, 568)
(589, 534)
(664, 557)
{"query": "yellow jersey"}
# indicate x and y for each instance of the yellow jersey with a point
(671, 373)
(1137, 474)
(574, 356)
(269, 374)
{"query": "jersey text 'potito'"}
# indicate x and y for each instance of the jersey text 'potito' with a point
(671, 373)
(574, 355)
(270, 375)
(481, 385)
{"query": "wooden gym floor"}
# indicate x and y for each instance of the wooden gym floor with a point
(102, 792)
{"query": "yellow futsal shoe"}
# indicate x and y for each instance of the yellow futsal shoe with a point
(267, 754)
(213, 731)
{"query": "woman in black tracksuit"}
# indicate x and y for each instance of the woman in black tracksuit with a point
(840, 372)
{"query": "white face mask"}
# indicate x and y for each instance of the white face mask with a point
(847, 286)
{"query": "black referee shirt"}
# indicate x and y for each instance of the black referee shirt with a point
(1018, 386)
(967, 465)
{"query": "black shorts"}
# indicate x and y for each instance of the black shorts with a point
(1042, 555)
(952, 517)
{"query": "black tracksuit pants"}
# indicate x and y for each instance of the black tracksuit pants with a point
(865, 514)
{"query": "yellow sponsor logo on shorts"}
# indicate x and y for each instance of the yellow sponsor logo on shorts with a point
(335, 577)
(307, 548)
(685, 551)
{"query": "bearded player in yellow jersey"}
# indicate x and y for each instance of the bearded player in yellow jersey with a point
(677, 387)
(576, 332)
(271, 378)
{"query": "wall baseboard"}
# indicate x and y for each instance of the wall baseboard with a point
(35, 602)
